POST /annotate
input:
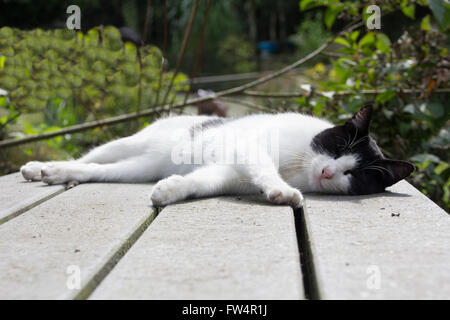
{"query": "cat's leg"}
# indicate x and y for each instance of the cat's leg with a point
(137, 169)
(264, 174)
(113, 151)
(223, 179)
(206, 181)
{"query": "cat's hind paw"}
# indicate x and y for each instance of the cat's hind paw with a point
(31, 171)
(169, 190)
(286, 195)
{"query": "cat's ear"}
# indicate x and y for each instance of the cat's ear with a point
(361, 119)
(393, 171)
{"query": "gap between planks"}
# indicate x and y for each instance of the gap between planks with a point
(306, 253)
(93, 283)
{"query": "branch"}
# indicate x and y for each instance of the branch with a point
(147, 18)
(334, 93)
(200, 49)
(184, 44)
(247, 104)
(99, 123)
(161, 71)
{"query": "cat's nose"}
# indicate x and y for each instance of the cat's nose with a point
(327, 173)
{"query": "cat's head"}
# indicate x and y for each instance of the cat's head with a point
(347, 159)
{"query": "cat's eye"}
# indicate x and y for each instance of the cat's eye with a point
(347, 172)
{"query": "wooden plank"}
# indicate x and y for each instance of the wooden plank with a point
(83, 231)
(219, 248)
(394, 245)
(18, 195)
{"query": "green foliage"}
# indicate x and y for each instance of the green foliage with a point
(441, 10)
(407, 125)
(238, 53)
(8, 115)
(224, 27)
(311, 33)
(70, 78)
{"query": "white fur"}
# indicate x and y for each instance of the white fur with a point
(231, 158)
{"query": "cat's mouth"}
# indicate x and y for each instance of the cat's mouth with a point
(319, 180)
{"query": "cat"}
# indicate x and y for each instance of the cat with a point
(279, 155)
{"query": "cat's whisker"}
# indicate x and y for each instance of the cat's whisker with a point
(381, 169)
(296, 160)
(356, 134)
(359, 141)
(345, 142)
(296, 152)
(371, 168)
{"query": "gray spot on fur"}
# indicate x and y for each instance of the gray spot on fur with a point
(208, 124)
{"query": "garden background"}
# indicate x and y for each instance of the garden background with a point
(53, 78)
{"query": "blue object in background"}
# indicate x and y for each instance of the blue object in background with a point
(268, 47)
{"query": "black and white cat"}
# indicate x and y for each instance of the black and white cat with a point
(279, 155)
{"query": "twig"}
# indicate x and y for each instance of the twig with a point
(147, 18)
(274, 94)
(334, 54)
(226, 77)
(334, 93)
(200, 49)
(139, 49)
(161, 71)
(247, 104)
(187, 35)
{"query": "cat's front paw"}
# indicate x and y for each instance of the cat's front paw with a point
(169, 190)
(286, 195)
(54, 174)
(31, 171)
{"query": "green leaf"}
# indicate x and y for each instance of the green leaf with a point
(425, 157)
(318, 108)
(425, 24)
(441, 168)
(6, 32)
(309, 4)
(441, 11)
(367, 40)
(408, 11)
(330, 15)
(383, 43)
(354, 35)
(342, 41)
